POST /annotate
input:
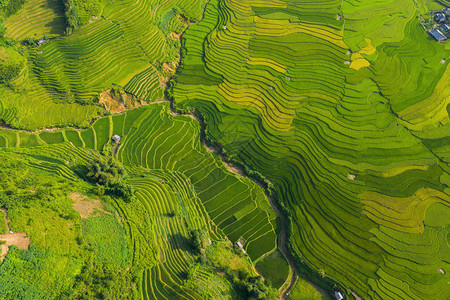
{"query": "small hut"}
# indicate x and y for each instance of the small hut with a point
(444, 28)
(240, 246)
(116, 138)
(338, 295)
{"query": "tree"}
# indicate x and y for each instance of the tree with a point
(104, 171)
(29, 41)
(108, 175)
(120, 189)
(199, 238)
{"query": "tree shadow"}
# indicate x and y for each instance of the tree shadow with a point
(180, 242)
(58, 24)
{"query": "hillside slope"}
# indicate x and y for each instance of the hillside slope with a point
(343, 107)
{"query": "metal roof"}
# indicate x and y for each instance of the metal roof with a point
(440, 17)
(437, 35)
(445, 27)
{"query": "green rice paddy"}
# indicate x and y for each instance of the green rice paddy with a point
(340, 110)
(343, 107)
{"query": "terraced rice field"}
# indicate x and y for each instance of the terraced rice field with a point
(121, 49)
(340, 107)
(36, 19)
(343, 106)
(172, 174)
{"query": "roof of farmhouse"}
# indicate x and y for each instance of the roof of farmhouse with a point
(437, 35)
(444, 27)
(440, 17)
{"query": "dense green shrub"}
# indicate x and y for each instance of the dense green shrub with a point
(29, 41)
(10, 7)
(104, 171)
(120, 189)
(79, 12)
(71, 14)
(199, 239)
(108, 174)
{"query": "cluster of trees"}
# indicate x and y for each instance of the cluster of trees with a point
(199, 239)
(10, 7)
(78, 12)
(109, 175)
(71, 14)
(252, 286)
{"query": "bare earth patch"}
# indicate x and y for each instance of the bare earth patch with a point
(86, 206)
(18, 239)
(175, 36)
(119, 101)
(356, 296)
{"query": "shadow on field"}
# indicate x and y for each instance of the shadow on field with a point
(56, 25)
(180, 242)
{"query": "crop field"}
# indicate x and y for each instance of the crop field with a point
(179, 186)
(124, 48)
(336, 111)
(343, 106)
(36, 18)
(155, 140)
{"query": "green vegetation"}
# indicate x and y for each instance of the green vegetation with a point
(103, 171)
(3, 227)
(340, 109)
(80, 12)
(43, 17)
(107, 238)
(227, 259)
(58, 263)
(180, 191)
(115, 44)
(108, 174)
(274, 268)
(200, 239)
(306, 291)
(10, 7)
(11, 64)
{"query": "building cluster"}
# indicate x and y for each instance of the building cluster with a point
(441, 30)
